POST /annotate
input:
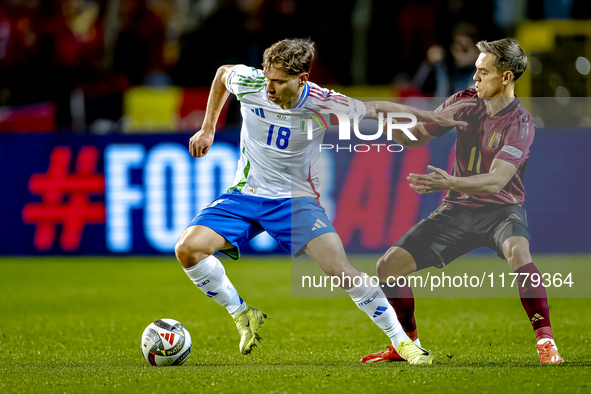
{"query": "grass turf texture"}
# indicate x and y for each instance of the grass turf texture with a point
(74, 325)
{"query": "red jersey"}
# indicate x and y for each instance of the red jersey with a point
(507, 136)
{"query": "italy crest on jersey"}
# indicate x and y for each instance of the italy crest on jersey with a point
(304, 122)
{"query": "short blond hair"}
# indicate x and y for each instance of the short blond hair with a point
(294, 56)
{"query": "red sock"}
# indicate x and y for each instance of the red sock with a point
(403, 301)
(534, 302)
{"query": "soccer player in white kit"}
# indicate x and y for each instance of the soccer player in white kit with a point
(276, 188)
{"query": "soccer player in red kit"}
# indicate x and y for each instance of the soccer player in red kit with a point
(484, 204)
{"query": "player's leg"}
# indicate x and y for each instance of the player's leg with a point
(327, 250)
(215, 229)
(194, 251)
(435, 241)
(301, 226)
(394, 264)
(198, 243)
(509, 237)
(533, 298)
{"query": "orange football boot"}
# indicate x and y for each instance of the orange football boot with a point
(387, 355)
(548, 353)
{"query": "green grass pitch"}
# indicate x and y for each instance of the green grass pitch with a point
(73, 325)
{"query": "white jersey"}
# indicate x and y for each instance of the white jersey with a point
(277, 160)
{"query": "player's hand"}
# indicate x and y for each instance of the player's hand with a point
(434, 182)
(445, 117)
(200, 143)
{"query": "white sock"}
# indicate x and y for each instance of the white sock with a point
(371, 300)
(210, 276)
(417, 342)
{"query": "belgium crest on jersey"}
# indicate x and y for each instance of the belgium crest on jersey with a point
(494, 141)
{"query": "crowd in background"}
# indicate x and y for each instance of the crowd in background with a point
(52, 48)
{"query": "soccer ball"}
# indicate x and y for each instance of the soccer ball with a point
(166, 342)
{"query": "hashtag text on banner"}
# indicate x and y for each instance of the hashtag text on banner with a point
(65, 198)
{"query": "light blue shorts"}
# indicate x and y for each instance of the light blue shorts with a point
(293, 222)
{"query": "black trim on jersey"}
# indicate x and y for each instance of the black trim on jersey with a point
(518, 114)
(512, 105)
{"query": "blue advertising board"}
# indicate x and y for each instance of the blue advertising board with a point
(135, 194)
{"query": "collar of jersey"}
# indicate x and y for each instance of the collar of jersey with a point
(304, 96)
(508, 108)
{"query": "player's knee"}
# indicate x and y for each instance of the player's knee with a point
(396, 262)
(517, 255)
(190, 252)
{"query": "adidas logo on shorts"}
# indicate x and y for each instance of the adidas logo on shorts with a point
(319, 224)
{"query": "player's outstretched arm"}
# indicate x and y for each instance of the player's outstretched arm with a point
(500, 174)
(421, 136)
(419, 132)
(444, 117)
(200, 143)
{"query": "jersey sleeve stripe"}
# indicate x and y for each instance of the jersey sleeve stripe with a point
(248, 85)
(522, 118)
(516, 114)
(337, 97)
(325, 93)
(331, 94)
(333, 99)
(250, 79)
(466, 93)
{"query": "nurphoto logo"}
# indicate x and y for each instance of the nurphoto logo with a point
(345, 131)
